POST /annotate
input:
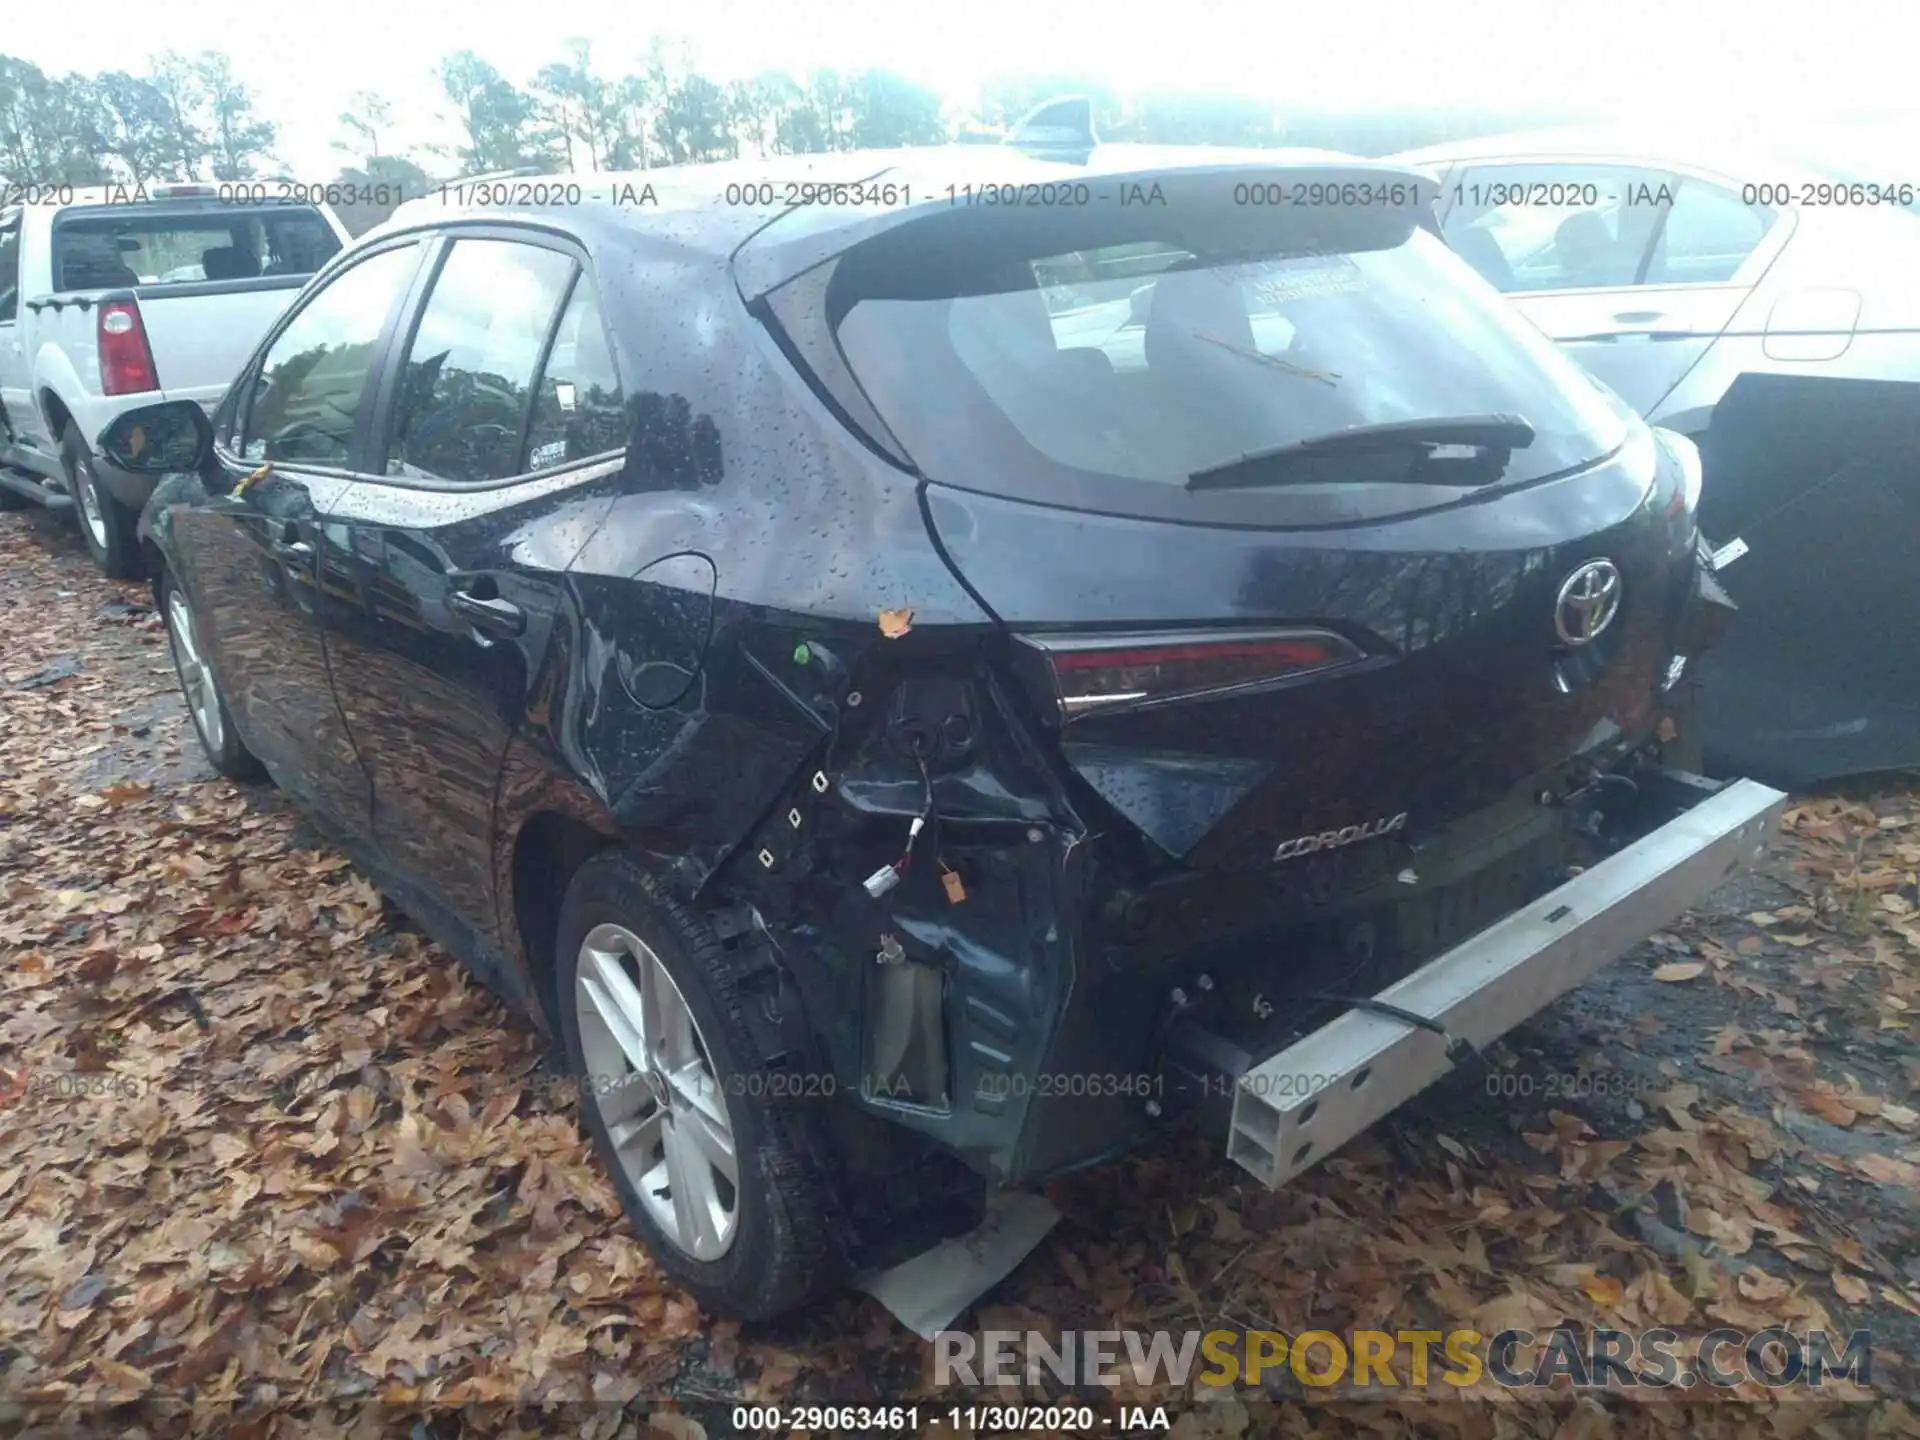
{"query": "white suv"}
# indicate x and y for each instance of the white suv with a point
(116, 297)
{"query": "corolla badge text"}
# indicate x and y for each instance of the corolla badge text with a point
(1334, 839)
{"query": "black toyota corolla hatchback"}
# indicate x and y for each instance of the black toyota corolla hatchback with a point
(917, 669)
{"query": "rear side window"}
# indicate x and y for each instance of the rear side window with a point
(577, 408)
(1556, 227)
(1708, 236)
(137, 246)
(1109, 375)
(306, 400)
(467, 383)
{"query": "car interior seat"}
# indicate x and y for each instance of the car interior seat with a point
(1213, 383)
(1480, 250)
(94, 269)
(228, 262)
(1194, 318)
(1582, 248)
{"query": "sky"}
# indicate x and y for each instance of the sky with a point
(1640, 59)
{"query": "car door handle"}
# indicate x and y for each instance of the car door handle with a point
(296, 552)
(492, 614)
(1639, 317)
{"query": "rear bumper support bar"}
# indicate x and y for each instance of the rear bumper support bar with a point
(1299, 1105)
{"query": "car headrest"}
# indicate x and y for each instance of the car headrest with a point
(1008, 327)
(1480, 250)
(1581, 244)
(228, 262)
(1190, 309)
(1085, 364)
(100, 270)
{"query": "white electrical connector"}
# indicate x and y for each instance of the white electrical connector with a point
(888, 876)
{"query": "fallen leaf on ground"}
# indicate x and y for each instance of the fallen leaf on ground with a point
(1850, 1289)
(1680, 970)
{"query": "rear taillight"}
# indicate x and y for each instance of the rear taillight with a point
(126, 360)
(1107, 672)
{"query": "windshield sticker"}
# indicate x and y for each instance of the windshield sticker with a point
(1278, 284)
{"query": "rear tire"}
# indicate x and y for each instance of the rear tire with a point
(752, 1248)
(206, 707)
(109, 528)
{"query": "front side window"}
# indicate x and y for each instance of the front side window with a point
(313, 377)
(468, 379)
(1527, 228)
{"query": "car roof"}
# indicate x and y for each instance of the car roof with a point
(1744, 155)
(691, 205)
(124, 193)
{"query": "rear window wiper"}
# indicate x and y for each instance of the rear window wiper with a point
(1490, 432)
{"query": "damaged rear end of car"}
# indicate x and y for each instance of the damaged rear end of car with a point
(1330, 691)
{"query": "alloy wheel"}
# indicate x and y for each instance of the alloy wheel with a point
(649, 1073)
(88, 496)
(196, 678)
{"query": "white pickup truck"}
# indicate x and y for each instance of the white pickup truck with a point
(118, 297)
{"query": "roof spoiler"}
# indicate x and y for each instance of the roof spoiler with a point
(518, 172)
(1056, 129)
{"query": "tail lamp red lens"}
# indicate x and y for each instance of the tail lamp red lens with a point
(126, 360)
(1099, 673)
(1684, 471)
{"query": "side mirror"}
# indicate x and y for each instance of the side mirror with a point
(159, 439)
(1140, 304)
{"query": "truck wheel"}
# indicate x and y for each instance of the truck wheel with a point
(108, 527)
(212, 721)
(711, 1168)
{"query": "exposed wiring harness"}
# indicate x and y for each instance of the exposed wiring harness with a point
(888, 876)
(920, 820)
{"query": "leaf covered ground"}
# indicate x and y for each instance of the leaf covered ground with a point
(263, 1146)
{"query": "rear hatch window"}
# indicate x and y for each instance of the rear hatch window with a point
(1103, 358)
(124, 246)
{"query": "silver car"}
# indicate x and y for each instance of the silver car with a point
(1763, 298)
(1670, 277)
